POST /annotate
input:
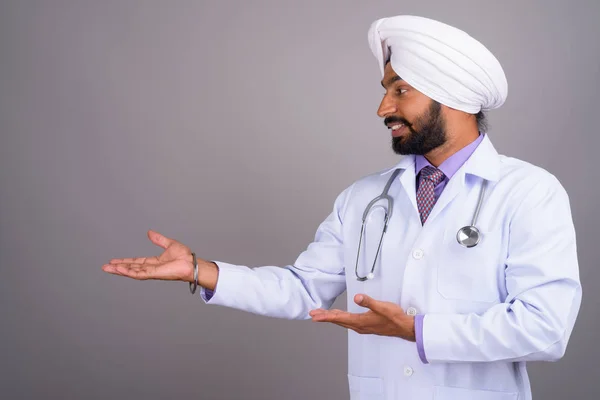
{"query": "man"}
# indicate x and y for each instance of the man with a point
(476, 272)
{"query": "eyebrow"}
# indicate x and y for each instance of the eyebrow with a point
(392, 80)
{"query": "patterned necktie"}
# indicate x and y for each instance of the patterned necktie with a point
(430, 178)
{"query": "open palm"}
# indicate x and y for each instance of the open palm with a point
(174, 264)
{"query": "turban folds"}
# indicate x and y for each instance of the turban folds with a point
(442, 62)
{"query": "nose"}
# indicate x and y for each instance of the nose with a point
(386, 107)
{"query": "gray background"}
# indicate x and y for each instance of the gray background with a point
(231, 126)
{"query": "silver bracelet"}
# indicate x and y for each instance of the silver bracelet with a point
(193, 287)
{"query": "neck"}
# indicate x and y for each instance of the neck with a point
(457, 139)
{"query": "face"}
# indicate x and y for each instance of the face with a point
(415, 120)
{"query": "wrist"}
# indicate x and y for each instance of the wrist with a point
(408, 329)
(208, 274)
(189, 273)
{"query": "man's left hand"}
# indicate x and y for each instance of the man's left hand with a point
(383, 318)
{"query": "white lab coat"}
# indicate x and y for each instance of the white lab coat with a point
(488, 310)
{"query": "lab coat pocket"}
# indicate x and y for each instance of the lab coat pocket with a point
(365, 388)
(471, 274)
(453, 393)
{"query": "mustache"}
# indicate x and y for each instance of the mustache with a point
(390, 120)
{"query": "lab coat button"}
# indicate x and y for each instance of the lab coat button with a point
(411, 311)
(417, 254)
(408, 371)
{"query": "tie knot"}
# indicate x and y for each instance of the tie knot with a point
(432, 174)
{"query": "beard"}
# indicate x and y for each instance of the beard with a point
(431, 132)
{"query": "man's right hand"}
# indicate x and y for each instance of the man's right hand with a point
(174, 264)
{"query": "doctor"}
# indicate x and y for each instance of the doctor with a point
(460, 263)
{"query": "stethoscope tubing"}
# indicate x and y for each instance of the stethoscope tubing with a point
(385, 196)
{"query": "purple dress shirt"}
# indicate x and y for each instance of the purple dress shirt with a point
(449, 168)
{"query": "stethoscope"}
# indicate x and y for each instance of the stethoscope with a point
(467, 236)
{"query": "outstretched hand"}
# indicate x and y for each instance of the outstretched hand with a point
(383, 318)
(174, 264)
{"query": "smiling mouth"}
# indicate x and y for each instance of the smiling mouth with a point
(396, 127)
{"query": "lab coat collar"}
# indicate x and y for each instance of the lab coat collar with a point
(483, 162)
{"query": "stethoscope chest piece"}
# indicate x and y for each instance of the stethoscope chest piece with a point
(468, 236)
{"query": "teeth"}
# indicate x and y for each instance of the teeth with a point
(394, 127)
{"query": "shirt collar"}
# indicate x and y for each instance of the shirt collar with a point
(452, 163)
(483, 160)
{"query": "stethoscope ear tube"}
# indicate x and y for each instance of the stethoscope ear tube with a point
(469, 236)
(388, 213)
(479, 202)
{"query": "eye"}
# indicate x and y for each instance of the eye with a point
(398, 91)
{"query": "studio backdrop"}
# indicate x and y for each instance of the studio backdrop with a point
(231, 126)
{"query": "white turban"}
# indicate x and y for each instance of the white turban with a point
(440, 61)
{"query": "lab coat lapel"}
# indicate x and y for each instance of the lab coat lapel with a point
(407, 178)
(483, 163)
(453, 187)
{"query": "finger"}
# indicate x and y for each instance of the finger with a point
(133, 271)
(324, 313)
(337, 316)
(110, 268)
(320, 315)
(321, 311)
(356, 328)
(377, 306)
(159, 239)
(114, 269)
(137, 260)
(316, 312)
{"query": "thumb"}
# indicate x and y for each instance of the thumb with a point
(159, 239)
(362, 300)
(365, 301)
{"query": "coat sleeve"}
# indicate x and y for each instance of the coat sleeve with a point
(315, 280)
(544, 291)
